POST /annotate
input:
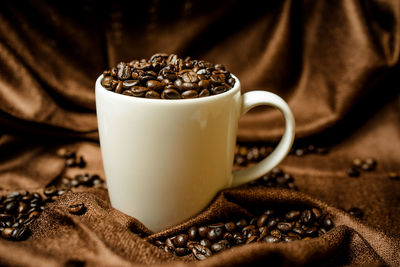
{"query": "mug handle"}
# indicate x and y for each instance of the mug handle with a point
(258, 98)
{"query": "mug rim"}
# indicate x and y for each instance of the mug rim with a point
(231, 91)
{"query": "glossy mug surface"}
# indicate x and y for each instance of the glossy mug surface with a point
(165, 160)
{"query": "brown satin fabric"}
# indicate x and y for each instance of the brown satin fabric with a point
(334, 62)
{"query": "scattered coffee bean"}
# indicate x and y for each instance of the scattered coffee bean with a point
(77, 208)
(359, 165)
(273, 225)
(356, 212)
(353, 172)
(186, 77)
(394, 176)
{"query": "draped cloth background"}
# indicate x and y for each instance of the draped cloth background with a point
(334, 62)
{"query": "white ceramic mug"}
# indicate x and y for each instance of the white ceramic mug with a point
(165, 160)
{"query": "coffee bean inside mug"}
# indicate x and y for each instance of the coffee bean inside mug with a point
(166, 76)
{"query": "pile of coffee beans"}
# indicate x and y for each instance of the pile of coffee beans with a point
(358, 165)
(273, 225)
(165, 76)
(276, 178)
(19, 210)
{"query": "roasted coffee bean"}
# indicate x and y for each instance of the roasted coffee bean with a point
(189, 86)
(229, 237)
(311, 231)
(203, 230)
(394, 176)
(262, 220)
(77, 208)
(127, 84)
(241, 223)
(328, 223)
(230, 226)
(11, 207)
(306, 216)
(20, 233)
(216, 225)
(321, 231)
(357, 162)
(154, 85)
(292, 215)
(219, 67)
(316, 213)
(192, 233)
(219, 89)
(284, 226)
(152, 94)
(239, 238)
(181, 251)
(369, 164)
(190, 94)
(124, 71)
(217, 78)
(114, 72)
(135, 76)
(170, 94)
(276, 233)
(158, 57)
(62, 152)
(181, 240)
(70, 162)
(290, 238)
(169, 243)
(204, 84)
(178, 84)
(272, 222)
(204, 93)
(298, 230)
(356, 212)
(205, 242)
(353, 172)
(107, 82)
(190, 77)
(217, 247)
(22, 207)
(214, 234)
(80, 162)
(5, 217)
(142, 66)
(7, 232)
(139, 91)
(271, 239)
(191, 244)
(248, 228)
(201, 252)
